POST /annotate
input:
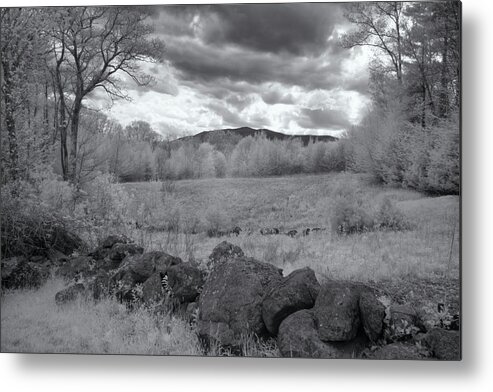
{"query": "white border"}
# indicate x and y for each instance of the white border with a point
(93, 373)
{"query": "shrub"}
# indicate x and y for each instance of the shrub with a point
(216, 221)
(350, 216)
(388, 217)
(33, 228)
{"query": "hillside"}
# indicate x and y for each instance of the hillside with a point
(223, 139)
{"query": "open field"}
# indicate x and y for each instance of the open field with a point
(418, 266)
(299, 202)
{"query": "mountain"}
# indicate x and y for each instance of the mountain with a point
(224, 139)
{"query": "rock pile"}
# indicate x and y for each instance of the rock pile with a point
(239, 296)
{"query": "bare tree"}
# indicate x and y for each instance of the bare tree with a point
(378, 25)
(97, 47)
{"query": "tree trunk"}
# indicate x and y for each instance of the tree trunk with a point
(74, 133)
(10, 123)
(443, 99)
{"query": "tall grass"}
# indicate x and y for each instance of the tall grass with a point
(32, 322)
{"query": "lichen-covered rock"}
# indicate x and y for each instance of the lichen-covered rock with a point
(69, 294)
(230, 305)
(445, 345)
(372, 313)
(185, 282)
(336, 311)
(223, 252)
(298, 338)
(297, 291)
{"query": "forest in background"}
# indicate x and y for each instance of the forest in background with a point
(57, 151)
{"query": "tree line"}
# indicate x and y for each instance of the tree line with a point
(410, 136)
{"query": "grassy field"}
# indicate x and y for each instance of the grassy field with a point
(418, 266)
(298, 202)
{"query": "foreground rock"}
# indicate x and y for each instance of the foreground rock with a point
(223, 252)
(69, 294)
(152, 289)
(398, 350)
(77, 266)
(231, 301)
(372, 314)
(445, 345)
(336, 311)
(403, 323)
(185, 282)
(113, 249)
(298, 338)
(138, 268)
(297, 291)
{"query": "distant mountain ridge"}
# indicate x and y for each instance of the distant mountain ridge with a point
(221, 138)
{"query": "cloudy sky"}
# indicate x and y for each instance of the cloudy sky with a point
(277, 66)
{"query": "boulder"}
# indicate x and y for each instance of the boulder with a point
(75, 266)
(138, 268)
(152, 289)
(403, 323)
(297, 291)
(372, 313)
(225, 251)
(336, 311)
(444, 345)
(185, 282)
(398, 350)
(230, 304)
(69, 294)
(298, 338)
(117, 253)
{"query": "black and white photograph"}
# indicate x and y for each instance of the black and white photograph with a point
(272, 180)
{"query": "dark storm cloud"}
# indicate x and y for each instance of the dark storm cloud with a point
(323, 118)
(276, 28)
(199, 62)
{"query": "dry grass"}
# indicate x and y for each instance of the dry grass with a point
(32, 322)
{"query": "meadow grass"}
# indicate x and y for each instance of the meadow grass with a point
(430, 247)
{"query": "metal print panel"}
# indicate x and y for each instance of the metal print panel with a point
(265, 180)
